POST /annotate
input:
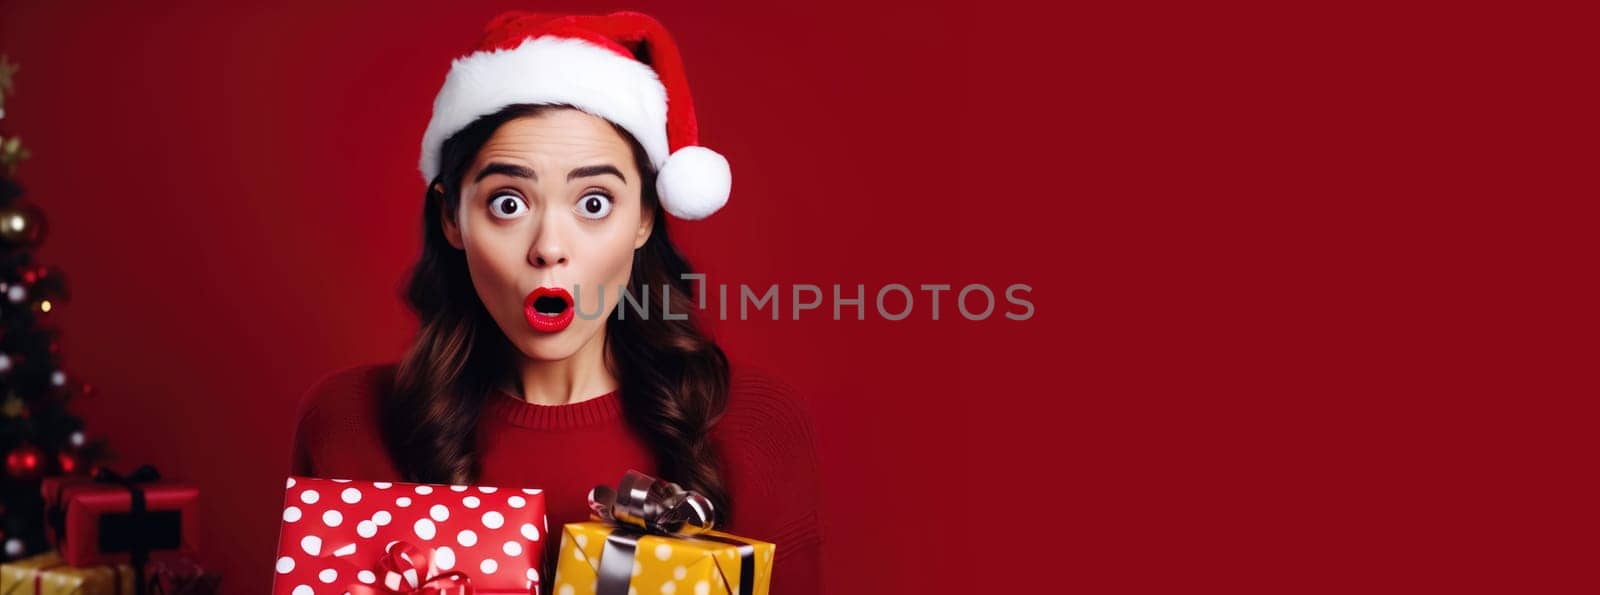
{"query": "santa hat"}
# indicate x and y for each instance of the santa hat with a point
(621, 66)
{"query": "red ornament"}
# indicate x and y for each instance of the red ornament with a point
(69, 463)
(23, 462)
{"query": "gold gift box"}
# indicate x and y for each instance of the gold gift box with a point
(668, 565)
(54, 577)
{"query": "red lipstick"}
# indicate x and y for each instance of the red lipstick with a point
(549, 309)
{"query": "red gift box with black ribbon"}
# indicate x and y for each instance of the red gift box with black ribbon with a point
(383, 538)
(112, 519)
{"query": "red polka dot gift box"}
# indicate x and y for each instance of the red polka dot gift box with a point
(374, 538)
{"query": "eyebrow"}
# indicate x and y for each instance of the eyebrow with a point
(518, 171)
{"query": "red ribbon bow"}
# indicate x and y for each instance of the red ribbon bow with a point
(400, 571)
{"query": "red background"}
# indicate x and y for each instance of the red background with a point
(1289, 267)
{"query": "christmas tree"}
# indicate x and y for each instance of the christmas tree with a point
(37, 434)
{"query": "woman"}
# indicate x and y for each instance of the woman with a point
(549, 182)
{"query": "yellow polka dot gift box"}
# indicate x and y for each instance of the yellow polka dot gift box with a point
(343, 537)
(652, 536)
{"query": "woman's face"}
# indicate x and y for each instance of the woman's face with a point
(551, 204)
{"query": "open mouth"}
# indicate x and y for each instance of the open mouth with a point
(550, 306)
(548, 309)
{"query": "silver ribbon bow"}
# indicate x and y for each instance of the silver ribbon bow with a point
(643, 505)
(653, 505)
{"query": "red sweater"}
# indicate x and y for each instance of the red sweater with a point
(769, 462)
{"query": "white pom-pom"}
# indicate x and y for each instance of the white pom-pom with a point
(694, 183)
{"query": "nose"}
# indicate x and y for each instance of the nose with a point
(548, 248)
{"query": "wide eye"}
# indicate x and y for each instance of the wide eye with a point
(507, 206)
(594, 205)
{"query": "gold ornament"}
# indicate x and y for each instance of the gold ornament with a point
(12, 407)
(12, 153)
(21, 226)
(11, 149)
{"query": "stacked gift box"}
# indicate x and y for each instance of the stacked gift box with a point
(115, 535)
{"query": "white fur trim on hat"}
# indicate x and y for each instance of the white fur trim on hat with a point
(694, 183)
(549, 70)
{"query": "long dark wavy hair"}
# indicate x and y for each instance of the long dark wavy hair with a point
(674, 377)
